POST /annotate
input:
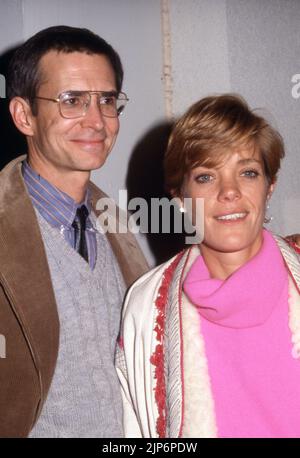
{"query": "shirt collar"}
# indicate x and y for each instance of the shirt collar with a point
(59, 207)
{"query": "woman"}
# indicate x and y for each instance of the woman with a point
(210, 342)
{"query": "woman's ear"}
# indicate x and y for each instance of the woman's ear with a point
(271, 189)
(22, 116)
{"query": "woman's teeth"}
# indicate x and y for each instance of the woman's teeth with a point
(232, 216)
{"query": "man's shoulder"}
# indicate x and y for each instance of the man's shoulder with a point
(11, 182)
(114, 223)
(96, 192)
(147, 287)
(291, 257)
(11, 178)
(11, 166)
(286, 247)
(100, 201)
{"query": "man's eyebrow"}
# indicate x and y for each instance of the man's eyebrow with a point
(105, 93)
(110, 93)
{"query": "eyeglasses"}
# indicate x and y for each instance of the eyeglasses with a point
(75, 104)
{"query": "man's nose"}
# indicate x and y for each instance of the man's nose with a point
(93, 117)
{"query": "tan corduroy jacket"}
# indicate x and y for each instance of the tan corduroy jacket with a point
(29, 323)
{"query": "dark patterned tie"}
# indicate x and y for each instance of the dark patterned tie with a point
(79, 225)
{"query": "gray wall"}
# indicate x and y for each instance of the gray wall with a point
(245, 46)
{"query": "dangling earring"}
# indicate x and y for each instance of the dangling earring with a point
(267, 219)
(180, 204)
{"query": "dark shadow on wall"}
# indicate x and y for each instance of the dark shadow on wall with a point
(145, 179)
(12, 143)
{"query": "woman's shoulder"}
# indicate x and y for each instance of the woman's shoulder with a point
(145, 290)
(287, 246)
(291, 256)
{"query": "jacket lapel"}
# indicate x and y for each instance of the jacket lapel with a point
(25, 275)
(291, 258)
(190, 407)
(199, 410)
(173, 354)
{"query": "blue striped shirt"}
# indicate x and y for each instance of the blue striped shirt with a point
(59, 209)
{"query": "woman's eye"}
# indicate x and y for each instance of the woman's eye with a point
(204, 178)
(250, 173)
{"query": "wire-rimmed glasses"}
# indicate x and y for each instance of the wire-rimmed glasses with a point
(74, 104)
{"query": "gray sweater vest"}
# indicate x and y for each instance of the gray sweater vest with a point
(84, 398)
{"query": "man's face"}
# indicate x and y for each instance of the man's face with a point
(72, 145)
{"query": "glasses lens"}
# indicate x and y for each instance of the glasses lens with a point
(112, 105)
(121, 102)
(108, 105)
(73, 104)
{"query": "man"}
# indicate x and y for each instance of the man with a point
(62, 281)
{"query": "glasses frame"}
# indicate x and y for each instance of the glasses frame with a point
(100, 94)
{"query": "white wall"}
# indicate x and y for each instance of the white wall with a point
(133, 28)
(199, 50)
(251, 47)
(246, 46)
(263, 58)
(11, 30)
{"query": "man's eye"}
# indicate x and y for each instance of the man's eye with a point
(108, 101)
(72, 101)
(204, 178)
(250, 173)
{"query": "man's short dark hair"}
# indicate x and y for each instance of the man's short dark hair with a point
(24, 77)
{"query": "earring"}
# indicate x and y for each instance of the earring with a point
(267, 219)
(180, 204)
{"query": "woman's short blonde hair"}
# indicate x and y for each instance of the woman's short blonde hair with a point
(212, 127)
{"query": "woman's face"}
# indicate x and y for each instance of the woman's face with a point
(235, 195)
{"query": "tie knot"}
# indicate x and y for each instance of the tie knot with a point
(81, 216)
(79, 225)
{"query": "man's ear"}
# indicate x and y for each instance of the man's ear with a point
(22, 116)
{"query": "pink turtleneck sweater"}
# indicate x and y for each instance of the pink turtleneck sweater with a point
(244, 321)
